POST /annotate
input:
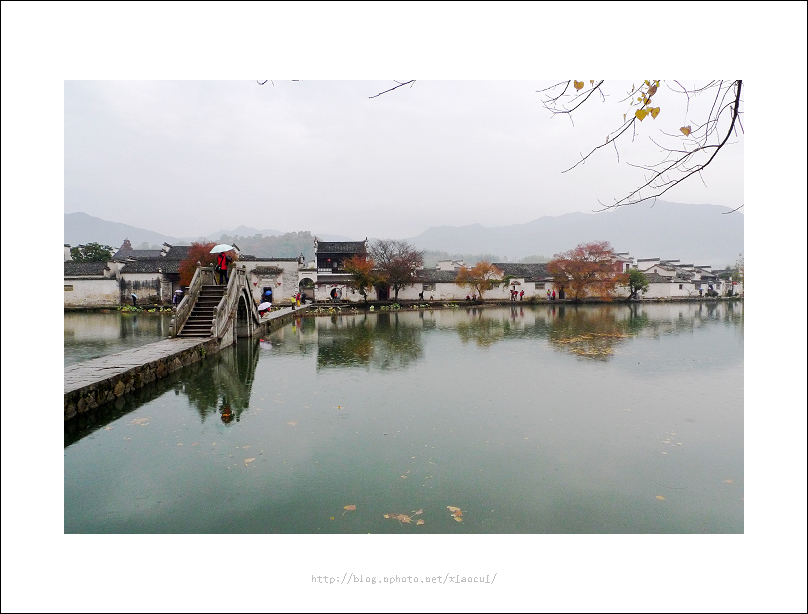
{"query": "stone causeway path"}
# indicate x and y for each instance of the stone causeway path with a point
(97, 370)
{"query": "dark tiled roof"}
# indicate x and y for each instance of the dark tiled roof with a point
(529, 272)
(139, 254)
(250, 258)
(170, 266)
(177, 252)
(656, 278)
(341, 247)
(84, 269)
(152, 265)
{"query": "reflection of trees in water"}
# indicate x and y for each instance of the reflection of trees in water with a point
(349, 345)
(482, 330)
(590, 333)
(397, 344)
(384, 341)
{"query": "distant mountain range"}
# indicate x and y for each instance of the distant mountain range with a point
(81, 228)
(698, 234)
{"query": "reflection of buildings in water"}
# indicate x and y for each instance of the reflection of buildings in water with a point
(100, 326)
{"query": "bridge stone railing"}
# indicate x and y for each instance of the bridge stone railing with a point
(202, 276)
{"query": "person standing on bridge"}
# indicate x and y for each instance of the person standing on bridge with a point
(221, 265)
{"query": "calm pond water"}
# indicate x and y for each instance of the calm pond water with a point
(595, 419)
(92, 334)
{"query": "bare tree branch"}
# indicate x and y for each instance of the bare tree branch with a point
(679, 163)
(400, 84)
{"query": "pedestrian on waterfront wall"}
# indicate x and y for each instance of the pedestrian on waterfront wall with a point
(553, 294)
(522, 295)
(548, 295)
(134, 299)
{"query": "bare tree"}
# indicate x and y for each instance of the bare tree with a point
(397, 261)
(400, 84)
(682, 155)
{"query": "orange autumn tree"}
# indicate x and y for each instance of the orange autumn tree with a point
(591, 269)
(363, 277)
(199, 252)
(481, 277)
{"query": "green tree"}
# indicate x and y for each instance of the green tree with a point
(637, 282)
(92, 252)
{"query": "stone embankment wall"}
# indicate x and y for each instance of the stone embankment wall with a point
(96, 394)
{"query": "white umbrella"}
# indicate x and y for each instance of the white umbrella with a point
(264, 305)
(222, 247)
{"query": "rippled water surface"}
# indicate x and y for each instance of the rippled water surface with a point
(92, 334)
(596, 419)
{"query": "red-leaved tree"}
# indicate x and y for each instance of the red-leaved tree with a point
(199, 252)
(363, 275)
(480, 277)
(591, 269)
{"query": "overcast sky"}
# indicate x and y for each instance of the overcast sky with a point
(191, 157)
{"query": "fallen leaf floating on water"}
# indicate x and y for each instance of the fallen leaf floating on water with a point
(247, 461)
(403, 518)
(458, 518)
(660, 497)
(350, 508)
(727, 481)
(292, 423)
(419, 521)
(452, 509)
(421, 511)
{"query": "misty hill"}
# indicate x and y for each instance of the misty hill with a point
(243, 231)
(81, 228)
(697, 234)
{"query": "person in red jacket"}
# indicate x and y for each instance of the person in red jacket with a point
(221, 262)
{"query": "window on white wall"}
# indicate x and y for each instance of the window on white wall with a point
(68, 288)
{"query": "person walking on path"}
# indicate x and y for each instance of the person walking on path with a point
(134, 299)
(522, 295)
(553, 294)
(548, 295)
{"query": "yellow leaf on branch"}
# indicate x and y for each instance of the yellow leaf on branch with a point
(578, 84)
(685, 130)
(654, 112)
(640, 114)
